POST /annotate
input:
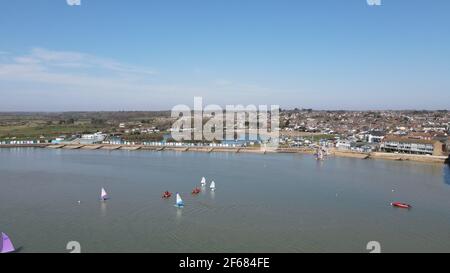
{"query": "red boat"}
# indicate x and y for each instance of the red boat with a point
(167, 195)
(401, 205)
(196, 191)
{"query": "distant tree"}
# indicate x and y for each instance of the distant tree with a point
(97, 121)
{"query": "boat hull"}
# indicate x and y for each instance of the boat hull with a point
(401, 205)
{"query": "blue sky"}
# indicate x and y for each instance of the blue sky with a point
(147, 54)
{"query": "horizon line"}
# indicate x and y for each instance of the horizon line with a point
(283, 109)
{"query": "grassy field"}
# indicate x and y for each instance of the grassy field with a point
(27, 126)
(34, 131)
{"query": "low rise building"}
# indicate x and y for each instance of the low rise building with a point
(375, 137)
(345, 145)
(92, 138)
(394, 144)
(58, 140)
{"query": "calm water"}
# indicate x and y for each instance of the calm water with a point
(270, 203)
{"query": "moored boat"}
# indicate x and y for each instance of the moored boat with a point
(401, 205)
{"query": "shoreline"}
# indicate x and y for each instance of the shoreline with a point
(334, 152)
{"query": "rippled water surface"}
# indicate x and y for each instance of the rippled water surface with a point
(263, 203)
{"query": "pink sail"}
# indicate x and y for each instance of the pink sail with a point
(7, 245)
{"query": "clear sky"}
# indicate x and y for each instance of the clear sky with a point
(148, 54)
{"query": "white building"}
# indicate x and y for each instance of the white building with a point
(345, 145)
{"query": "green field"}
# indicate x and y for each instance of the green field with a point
(32, 126)
(34, 131)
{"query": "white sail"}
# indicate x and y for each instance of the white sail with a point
(203, 182)
(213, 185)
(179, 201)
(104, 194)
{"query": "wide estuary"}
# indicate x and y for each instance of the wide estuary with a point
(263, 203)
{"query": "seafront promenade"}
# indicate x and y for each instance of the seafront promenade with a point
(255, 150)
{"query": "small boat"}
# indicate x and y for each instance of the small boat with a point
(6, 244)
(203, 182)
(166, 195)
(213, 186)
(196, 191)
(104, 195)
(179, 203)
(401, 205)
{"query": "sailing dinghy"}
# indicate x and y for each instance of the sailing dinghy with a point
(213, 186)
(203, 182)
(104, 195)
(179, 203)
(6, 245)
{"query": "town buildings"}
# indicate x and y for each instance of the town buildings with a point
(412, 146)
